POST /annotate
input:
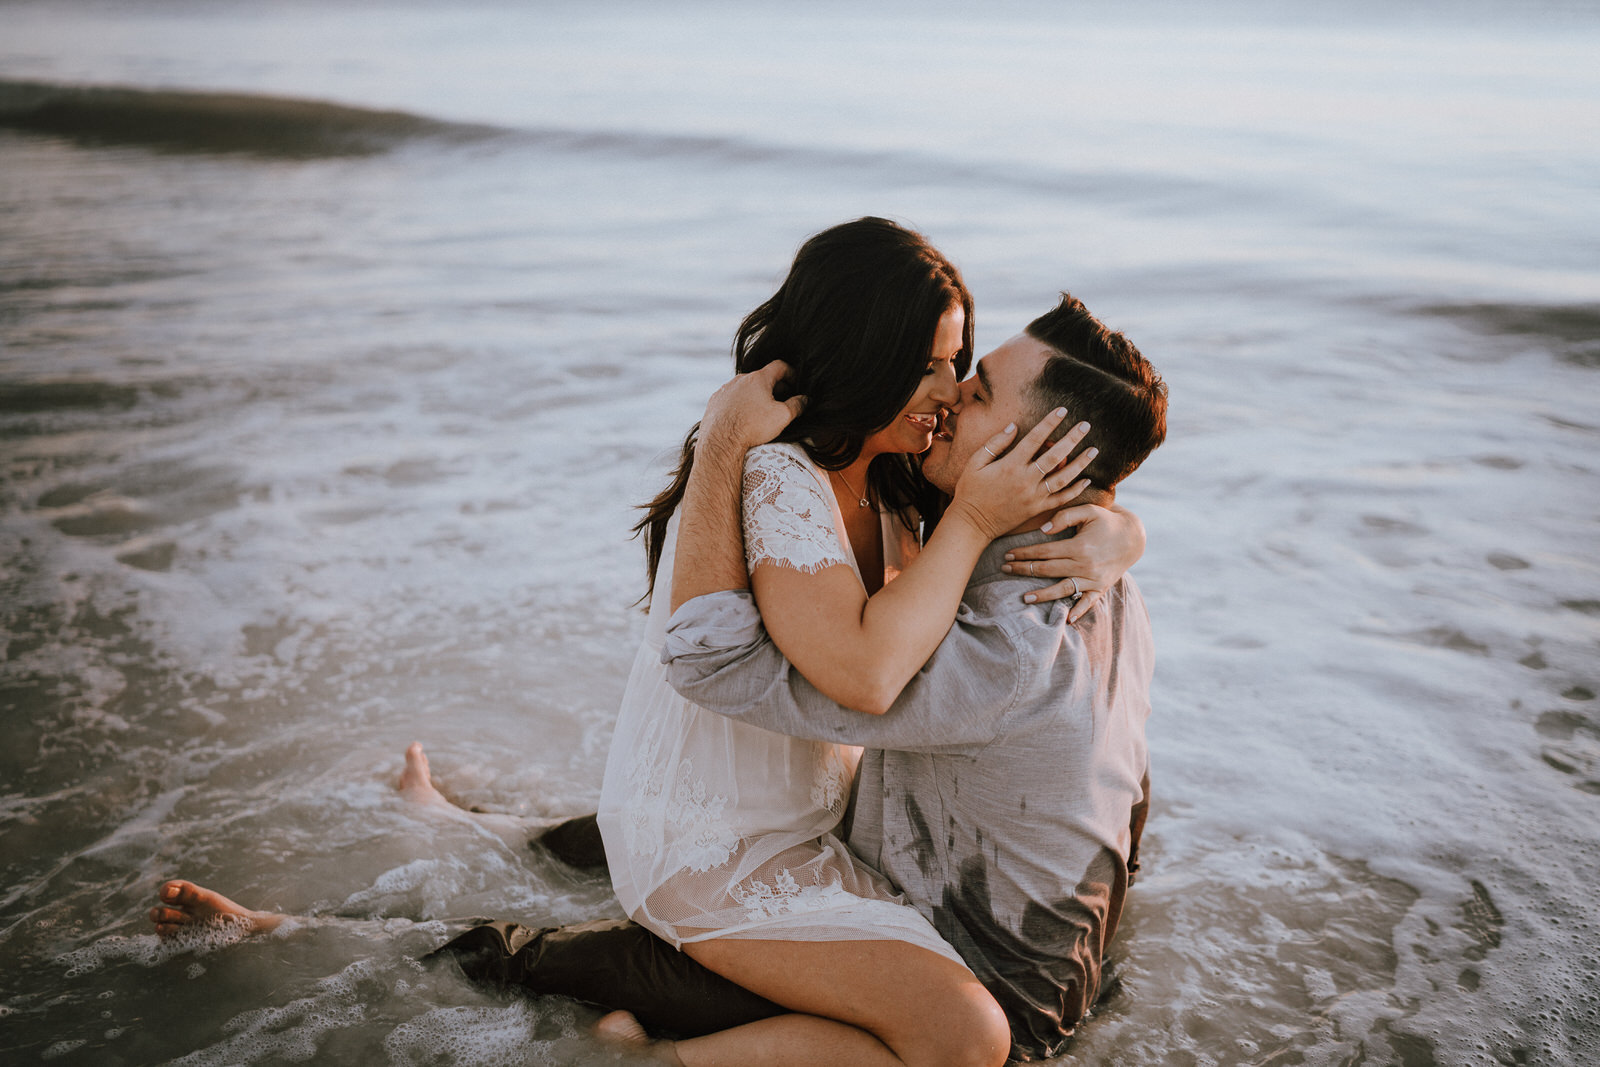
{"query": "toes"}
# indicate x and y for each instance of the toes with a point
(621, 1027)
(180, 892)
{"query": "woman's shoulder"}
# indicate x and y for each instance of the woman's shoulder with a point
(777, 452)
(783, 459)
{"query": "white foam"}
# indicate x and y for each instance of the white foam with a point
(148, 950)
(490, 1036)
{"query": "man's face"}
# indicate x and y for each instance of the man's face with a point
(995, 395)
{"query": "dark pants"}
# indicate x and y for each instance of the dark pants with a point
(612, 963)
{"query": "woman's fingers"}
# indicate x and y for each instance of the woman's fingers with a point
(1064, 568)
(1063, 448)
(1072, 516)
(1034, 439)
(1060, 591)
(993, 448)
(1067, 492)
(1084, 604)
(1056, 459)
(1076, 515)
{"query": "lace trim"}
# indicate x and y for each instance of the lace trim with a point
(785, 896)
(788, 518)
(832, 782)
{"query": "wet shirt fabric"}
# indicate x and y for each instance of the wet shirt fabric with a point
(1004, 792)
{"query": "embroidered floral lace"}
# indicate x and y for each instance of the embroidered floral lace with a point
(715, 828)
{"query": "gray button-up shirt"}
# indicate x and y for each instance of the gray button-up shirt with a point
(1005, 790)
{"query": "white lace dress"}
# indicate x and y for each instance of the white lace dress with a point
(715, 828)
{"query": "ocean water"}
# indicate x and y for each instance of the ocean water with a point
(321, 427)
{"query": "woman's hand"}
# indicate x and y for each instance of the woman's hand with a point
(1108, 542)
(999, 489)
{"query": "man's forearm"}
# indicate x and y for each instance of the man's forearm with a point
(718, 655)
(710, 552)
(743, 413)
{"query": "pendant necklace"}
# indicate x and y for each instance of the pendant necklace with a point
(861, 498)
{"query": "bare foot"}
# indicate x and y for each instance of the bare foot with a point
(416, 785)
(185, 904)
(622, 1031)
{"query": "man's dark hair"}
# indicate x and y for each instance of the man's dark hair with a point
(1100, 378)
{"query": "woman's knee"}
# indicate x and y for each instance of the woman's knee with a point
(972, 1032)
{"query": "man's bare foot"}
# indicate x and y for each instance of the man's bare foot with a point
(184, 904)
(622, 1031)
(416, 784)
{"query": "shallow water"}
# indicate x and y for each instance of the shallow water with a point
(320, 431)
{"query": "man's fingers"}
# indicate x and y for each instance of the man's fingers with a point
(774, 372)
(795, 404)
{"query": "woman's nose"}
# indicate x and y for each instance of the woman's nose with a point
(946, 390)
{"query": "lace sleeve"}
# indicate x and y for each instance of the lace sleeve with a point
(788, 519)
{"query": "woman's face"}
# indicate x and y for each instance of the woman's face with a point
(912, 430)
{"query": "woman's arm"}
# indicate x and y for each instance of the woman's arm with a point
(1108, 542)
(862, 651)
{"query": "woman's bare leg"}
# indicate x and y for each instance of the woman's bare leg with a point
(185, 904)
(867, 1002)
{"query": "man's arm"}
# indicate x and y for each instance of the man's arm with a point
(718, 655)
(739, 416)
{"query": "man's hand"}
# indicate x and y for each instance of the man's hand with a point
(743, 412)
(739, 416)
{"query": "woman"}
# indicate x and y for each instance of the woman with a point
(719, 835)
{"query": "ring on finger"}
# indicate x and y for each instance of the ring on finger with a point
(1042, 472)
(1030, 570)
(991, 451)
(1076, 592)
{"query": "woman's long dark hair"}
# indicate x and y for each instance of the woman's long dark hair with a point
(855, 320)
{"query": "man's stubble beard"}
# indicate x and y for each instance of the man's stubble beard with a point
(941, 477)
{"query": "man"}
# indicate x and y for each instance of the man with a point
(1005, 790)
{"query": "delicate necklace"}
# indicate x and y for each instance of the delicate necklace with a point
(861, 498)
